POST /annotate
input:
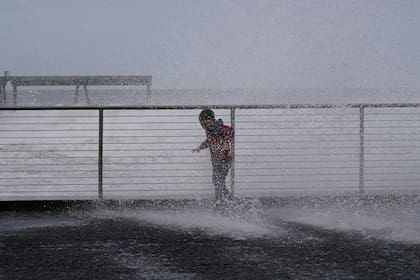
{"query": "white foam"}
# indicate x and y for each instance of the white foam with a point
(202, 220)
(396, 225)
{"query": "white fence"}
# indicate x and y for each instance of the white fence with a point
(145, 152)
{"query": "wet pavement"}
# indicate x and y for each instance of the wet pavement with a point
(144, 244)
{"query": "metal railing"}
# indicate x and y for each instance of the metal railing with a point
(143, 152)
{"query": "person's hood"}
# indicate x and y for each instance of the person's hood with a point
(216, 126)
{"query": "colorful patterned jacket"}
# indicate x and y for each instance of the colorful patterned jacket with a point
(218, 140)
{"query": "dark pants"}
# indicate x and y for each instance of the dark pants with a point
(220, 171)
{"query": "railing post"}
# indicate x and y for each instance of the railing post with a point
(362, 150)
(148, 94)
(86, 94)
(3, 89)
(232, 170)
(15, 95)
(76, 94)
(100, 153)
(2, 94)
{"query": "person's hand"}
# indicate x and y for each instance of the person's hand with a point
(196, 150)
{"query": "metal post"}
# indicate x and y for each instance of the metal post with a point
(86, 94)
(100, 154)
(3, 93)
(232, 170)
(362, 151)
(76, 94)
(148, 94)
(14, 95)
(3, 88)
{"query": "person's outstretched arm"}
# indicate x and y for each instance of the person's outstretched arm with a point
(201, 147)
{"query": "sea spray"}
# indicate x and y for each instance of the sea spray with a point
(380, 221)
(242, 219)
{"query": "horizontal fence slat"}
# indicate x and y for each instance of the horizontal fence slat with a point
(52, 152)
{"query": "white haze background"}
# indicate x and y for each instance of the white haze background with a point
(321, 47)
(219, 44)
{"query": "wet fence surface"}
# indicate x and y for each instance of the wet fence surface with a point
(336, 186)
(145, 152)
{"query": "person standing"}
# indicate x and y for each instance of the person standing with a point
(218, 139)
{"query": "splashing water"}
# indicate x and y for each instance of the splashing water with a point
(241, 219)
(207, 221)
(213, 224)
(395, 225)
(248, 218)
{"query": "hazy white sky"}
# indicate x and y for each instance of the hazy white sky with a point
(217, 43)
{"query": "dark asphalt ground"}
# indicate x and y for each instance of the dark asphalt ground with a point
(123, 248)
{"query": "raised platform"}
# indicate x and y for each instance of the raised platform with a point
(77, 81)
